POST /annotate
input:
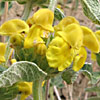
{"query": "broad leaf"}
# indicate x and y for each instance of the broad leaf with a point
(88, 67)
(87, 70)
(91, 9)
(68, 76)
(57, 81)
(98, 58)
(86, 73)
(59, 15)
(21, 71)
(9, 93)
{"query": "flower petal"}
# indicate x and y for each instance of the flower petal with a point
(90, 40)
(73, 35)
(25, 88)
(79, 59)
(64, 22)
(2, 52)
(14, 26)
(44, 18)
(33, 37)
(59, 54)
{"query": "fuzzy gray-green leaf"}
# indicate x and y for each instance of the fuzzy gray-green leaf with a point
(21, 71)
(91, 9)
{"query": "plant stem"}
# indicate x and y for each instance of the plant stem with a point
(52, 5)
(56, 92)
(47, 89)
(51, 91)
(27, 9)
(5, 17)
(37, 89)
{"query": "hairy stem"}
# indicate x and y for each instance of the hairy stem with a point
(52, 4)
(37, 89)
(47, 89)
(27, 9)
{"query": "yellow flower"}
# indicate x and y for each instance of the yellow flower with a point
(59, 54)
(73, 35)
(2, 52)
(33, 37)
(79, 59)
(14, 26)
(13, 61)
(68, 45)
(90, 40)
(25, 88)
(44, 18)
(65, 22)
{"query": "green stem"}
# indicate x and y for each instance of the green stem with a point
(37, 89)
(52, 4)
(27, 9)
(51, 90)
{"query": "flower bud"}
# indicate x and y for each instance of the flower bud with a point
(16, 40)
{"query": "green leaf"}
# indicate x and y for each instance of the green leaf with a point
(9, 93)
(93, 89)
(57, 81)
(95, 77)
(68, 76)
(21, 71)
(22, 54)
(91, 9)
(86, 73)
(98, 58)
(87, 70)
(2, 69)
(76, 4)
(59, 15)
(69, 1)
(21, 1)
(88, 67)
(94, 98)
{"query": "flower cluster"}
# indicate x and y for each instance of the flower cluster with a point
(66, 48)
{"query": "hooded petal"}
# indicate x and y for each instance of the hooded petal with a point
(59, 54)
(73, 35)
(33, 37)
(64, 22)
(14, 26)
(2, 52)
(90, 40)
(30, 21)
(79, 59)
(44, 18)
